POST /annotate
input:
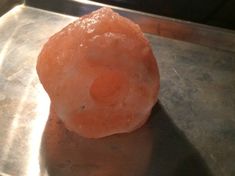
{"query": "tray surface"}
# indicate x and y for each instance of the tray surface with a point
(191, 130)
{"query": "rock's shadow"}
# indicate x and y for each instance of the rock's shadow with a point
(156, 149)
(173, 154)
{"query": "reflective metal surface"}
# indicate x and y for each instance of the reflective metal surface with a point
(23, 103)
(158, 25)
(191, 130)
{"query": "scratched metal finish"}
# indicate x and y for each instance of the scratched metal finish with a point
(191, 130)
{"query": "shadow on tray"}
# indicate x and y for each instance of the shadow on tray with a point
(156, 149)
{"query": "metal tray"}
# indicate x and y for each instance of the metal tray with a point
(192, 127)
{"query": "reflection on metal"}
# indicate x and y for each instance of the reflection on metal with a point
(197, 97)
(6, 45)
(37, 127)
(66, 153)
(24, 105)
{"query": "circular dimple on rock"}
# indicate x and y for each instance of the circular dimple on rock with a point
(109, 88)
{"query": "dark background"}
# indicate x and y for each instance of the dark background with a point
(219, 13)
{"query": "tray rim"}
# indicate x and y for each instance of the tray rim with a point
(187, 31)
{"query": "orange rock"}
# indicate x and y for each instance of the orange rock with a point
(100, 74)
